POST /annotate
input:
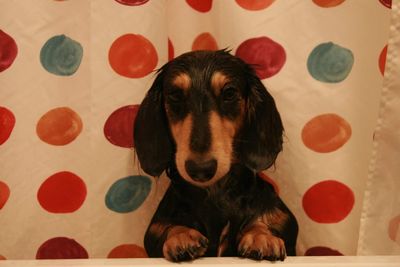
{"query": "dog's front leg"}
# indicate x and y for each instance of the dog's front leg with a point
(260, 239)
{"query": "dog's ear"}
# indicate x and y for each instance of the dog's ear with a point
(261, 135)
(152, 138)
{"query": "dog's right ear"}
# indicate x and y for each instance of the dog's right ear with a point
(152, 138)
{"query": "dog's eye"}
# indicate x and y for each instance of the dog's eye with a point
(229, 94)
(175, 96)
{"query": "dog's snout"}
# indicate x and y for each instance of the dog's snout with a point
(201, 171)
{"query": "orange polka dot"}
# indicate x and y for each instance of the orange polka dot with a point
(254, 5)
(204, 41)
(59, 126)
(127, 251)
(326, 133)
(382, 60)
(394, 229)
(328, 3)
(200, 5)
(132, 56)
(2, 257)
(4, 194)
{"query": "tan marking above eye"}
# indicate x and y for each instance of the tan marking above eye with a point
(218, 81)
(182, 81)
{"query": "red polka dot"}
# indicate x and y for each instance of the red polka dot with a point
(7, 122)
(132, 2)
(127, 251)
(170, 50)
(382, 60)
(322, 251)
(118, 128)
(8, 51)
(394, 229)
(4, 194)
(132, 56)
(266, 55)
(328, 201)
(59, 126)
(61, 248)
(328, 3)
(200, 5)
(2, 257)
(386, 3)
(326, 133)
(204, 41)
(63, 192)
(254, 5)
(269, 180)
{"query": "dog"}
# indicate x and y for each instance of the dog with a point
(209, 122)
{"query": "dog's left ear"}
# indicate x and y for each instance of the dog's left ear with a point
(261, 135)
(152, 138)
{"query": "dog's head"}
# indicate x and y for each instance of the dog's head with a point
(207, 111)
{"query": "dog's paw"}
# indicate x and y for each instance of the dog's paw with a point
(262, 246)
(184, 244)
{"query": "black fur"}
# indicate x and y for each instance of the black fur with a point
(240, 204)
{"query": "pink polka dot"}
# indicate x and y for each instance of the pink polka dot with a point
(394, 229)
(386, 3)
(8, 51)
(200, 5)
(127, 251)
(328, 3)
(326, 133)
(204, 41)
(132, 56)
(170, 50)
(63, 192)
(4, 194)
(254, 5)
(7, 122)
(61, 248)
(118, 128)
(382, 60)
(328, 201)
(322, 251)
(132, 2)
(266, 55)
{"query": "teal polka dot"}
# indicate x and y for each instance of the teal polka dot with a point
(330, 63)
(61, 55)
(128, 194)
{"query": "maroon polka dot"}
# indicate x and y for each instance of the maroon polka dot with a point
(382, 60)
(322, 251)
(63, 192)
(386, 3)
(200, 5)
(8, 51)
(266, 55)
(4, 194)
(61, 248)
(118, 128)
(7, 122)
(328, 201)
(132, 2)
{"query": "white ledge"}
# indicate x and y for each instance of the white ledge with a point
(332, 261)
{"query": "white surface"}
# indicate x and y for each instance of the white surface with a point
(342, 261)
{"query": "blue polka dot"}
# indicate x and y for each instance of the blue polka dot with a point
(61, 55)
(128, 194)
(330, 63)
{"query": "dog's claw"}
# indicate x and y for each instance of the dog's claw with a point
(262, 246)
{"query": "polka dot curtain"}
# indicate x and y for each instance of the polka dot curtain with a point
(72, 74)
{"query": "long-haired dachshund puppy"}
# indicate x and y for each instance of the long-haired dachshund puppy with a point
(211, 124)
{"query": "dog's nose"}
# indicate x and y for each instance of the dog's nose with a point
(201, 171)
